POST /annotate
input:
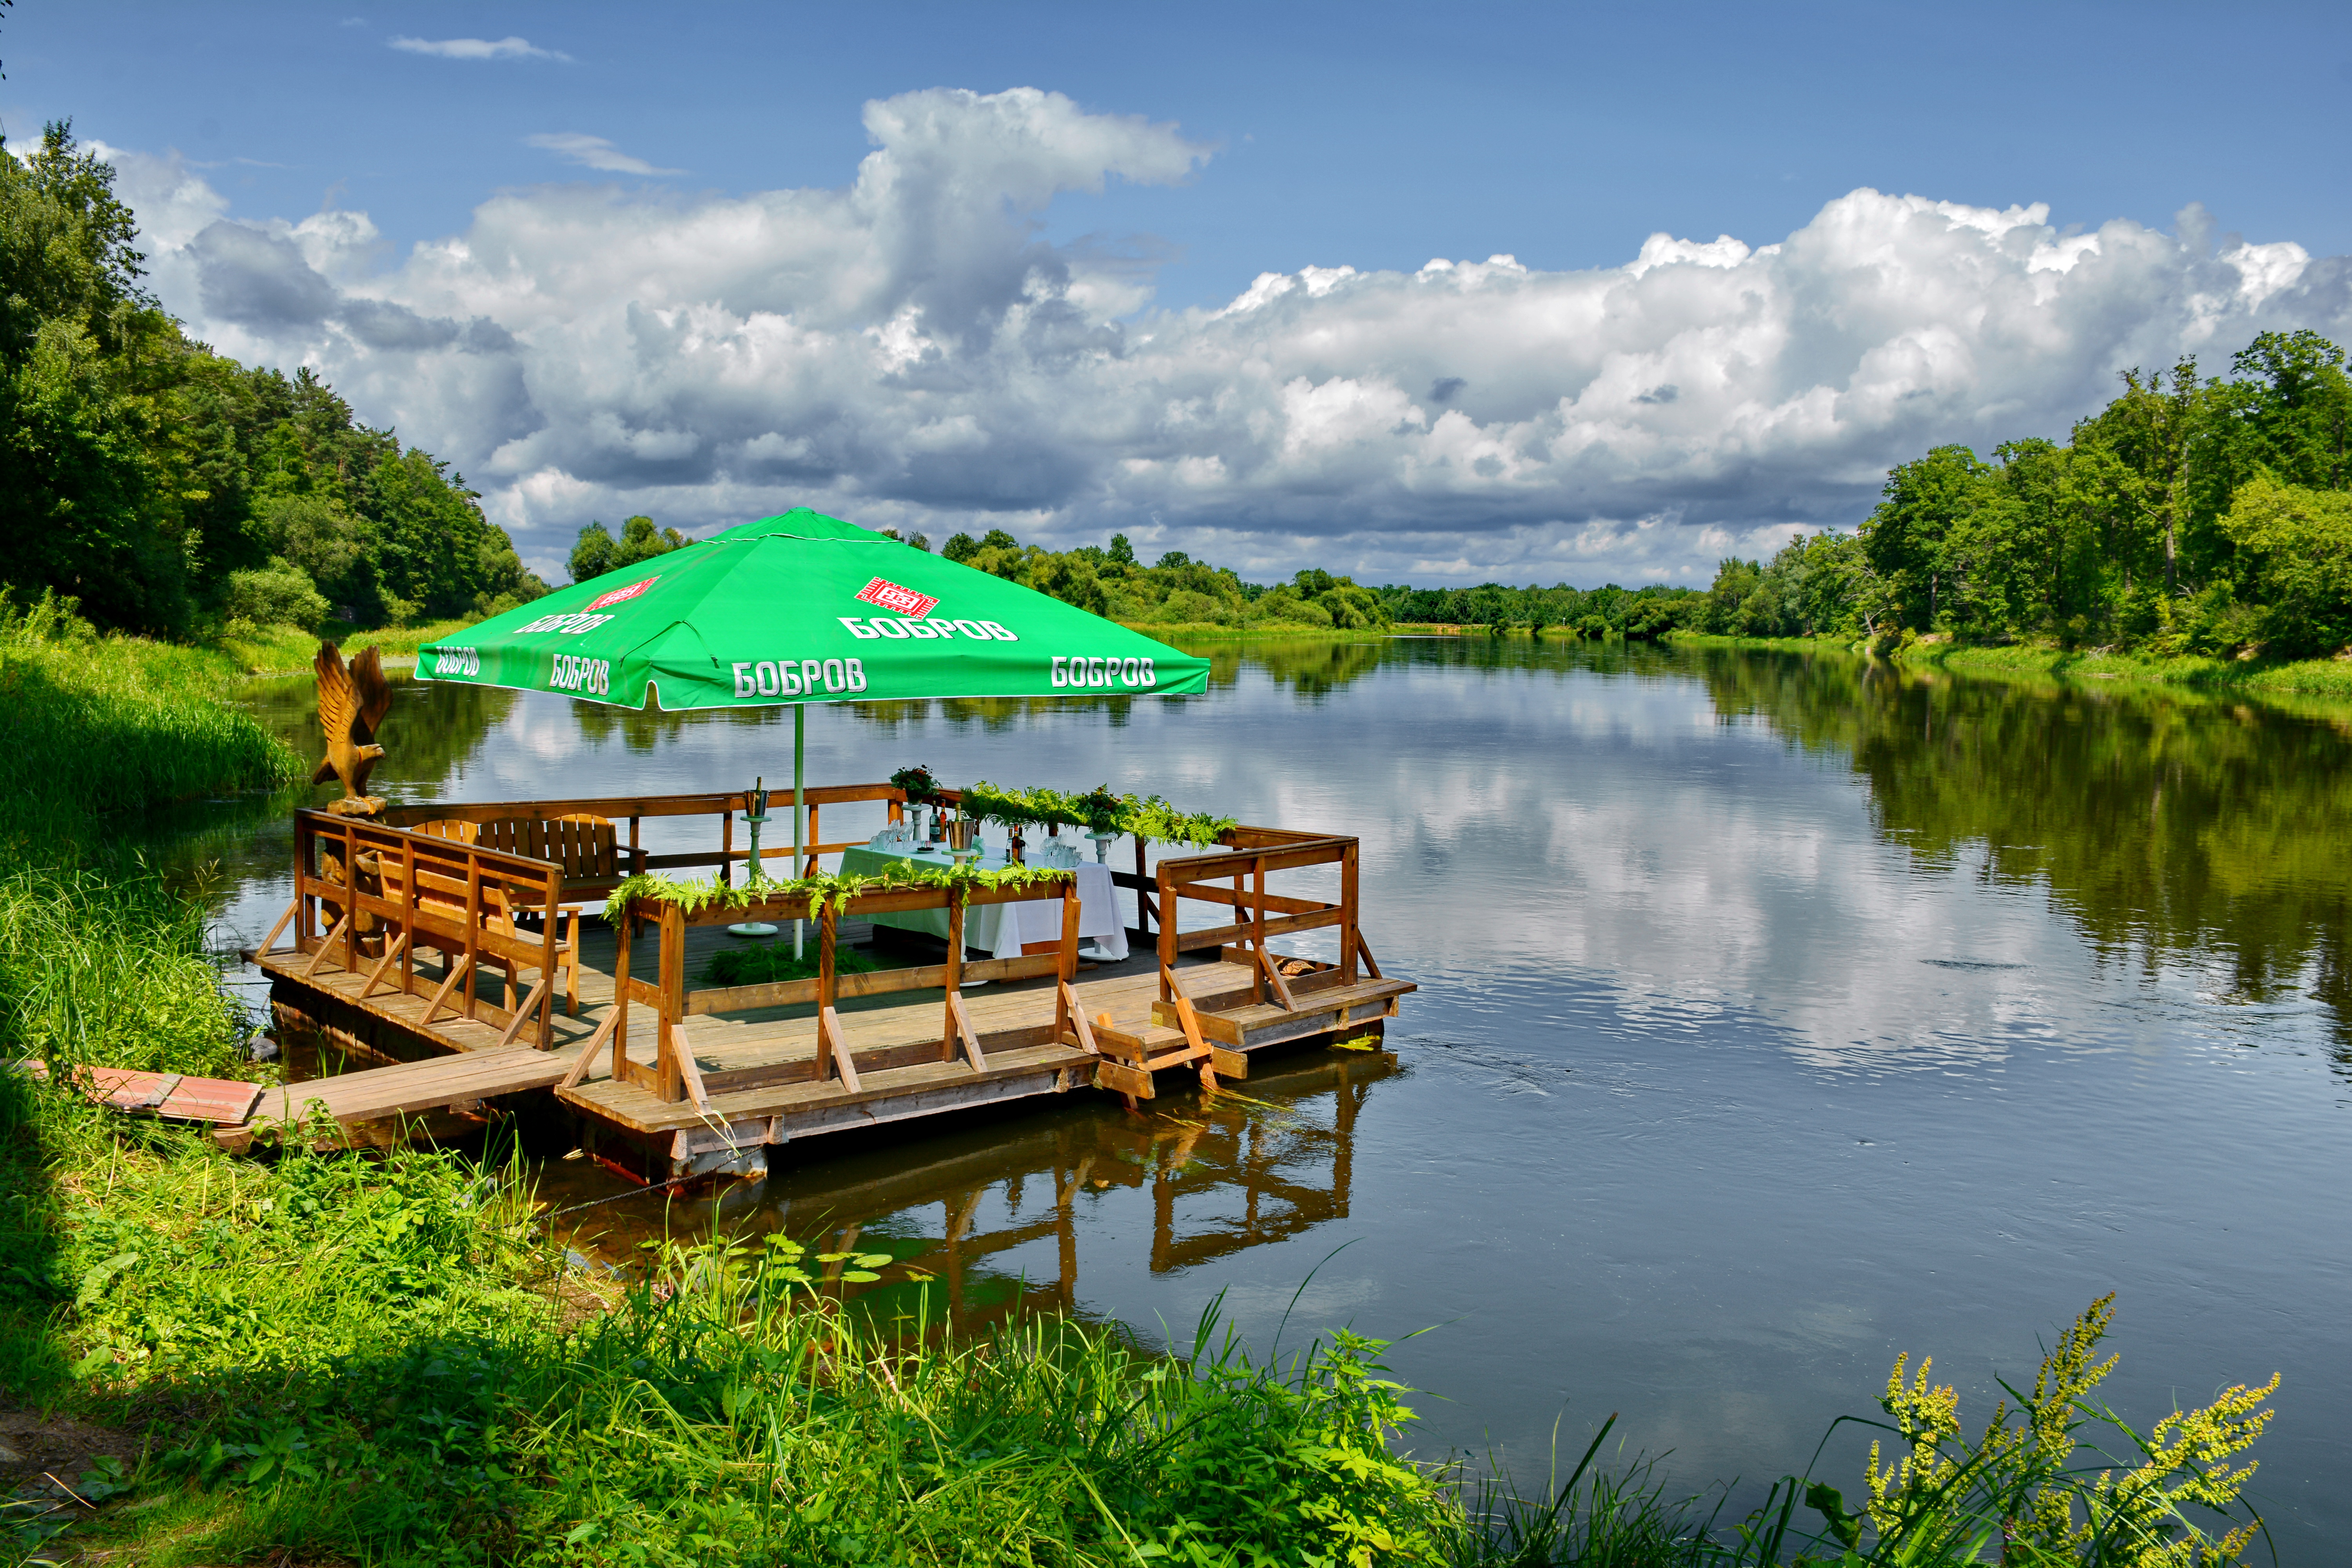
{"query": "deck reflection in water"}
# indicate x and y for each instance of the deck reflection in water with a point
(1224, 1175)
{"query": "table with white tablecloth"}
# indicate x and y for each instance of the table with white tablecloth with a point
(1002, 928)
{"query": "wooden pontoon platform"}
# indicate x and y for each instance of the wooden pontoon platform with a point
(435, 940)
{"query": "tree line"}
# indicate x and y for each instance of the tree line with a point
(2192, 515)
(174, 491)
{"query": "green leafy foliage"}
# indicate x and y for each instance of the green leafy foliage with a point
(837, 888)
(1098, 810)
(762, 963)
(92, 725)
(1177, 591)
(143, 474)
(2190, 516)
(597, 551)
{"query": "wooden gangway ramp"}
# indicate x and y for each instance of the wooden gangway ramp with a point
(383, 1104)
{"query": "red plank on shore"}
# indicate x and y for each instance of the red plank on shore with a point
(174, 1097)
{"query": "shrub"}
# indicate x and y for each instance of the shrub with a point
(279, 595)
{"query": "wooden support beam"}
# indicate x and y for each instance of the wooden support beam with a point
(312, 968)
(588, 1052)
(462, 962)
(1078, 1021)
(689, 1071)
(1133, 1083)
(960, 1032)
(530, 1005)
(270, 940)
(1274, 981)
(391, 950)
(1190, 1022)
(838, 1050)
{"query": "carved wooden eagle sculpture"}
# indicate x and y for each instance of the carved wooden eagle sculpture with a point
(352, 703)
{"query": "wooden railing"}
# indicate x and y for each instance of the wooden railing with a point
(1251, 855)
(776, 841)
(363, 890)
(675, 1076)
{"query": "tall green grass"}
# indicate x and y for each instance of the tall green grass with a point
(94, 725)
(289, 650)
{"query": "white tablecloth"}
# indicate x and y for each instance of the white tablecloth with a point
(1002, 928)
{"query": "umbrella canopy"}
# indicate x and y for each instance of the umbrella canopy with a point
(805, 609)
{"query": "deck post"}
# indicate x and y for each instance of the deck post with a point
(621, 995)
(408, 916)
(553, 919)
(950, 1039)
(1257, 932)
(828, 926)
(1348, 936)
(1167, 932)
(727, 848)
(306, 856)
(473, 920)
(352, 887)
(672, 1078)
(1143, 911)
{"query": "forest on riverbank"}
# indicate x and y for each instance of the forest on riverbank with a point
(173, 491)
(2191, 517)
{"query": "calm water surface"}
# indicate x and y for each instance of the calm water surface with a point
(1775, 1016)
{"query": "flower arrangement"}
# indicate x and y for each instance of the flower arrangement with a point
(921, 787)
(1101, 809)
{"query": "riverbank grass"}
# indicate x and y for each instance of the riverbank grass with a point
(289, 650)
(2311, 676)
(92, 725)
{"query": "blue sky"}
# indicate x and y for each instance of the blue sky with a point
(1289, 138)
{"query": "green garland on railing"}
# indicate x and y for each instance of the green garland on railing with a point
(835, 886)
(1098, 810)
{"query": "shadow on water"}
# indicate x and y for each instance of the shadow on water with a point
(984, 1223)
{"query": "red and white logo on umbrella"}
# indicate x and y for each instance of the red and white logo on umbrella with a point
(619, 596)
(889, 595)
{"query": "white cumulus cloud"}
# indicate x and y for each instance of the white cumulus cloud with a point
(506, 48)
(905, 349)
(593, 152)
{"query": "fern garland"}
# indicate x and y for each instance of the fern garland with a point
(1098, 810)
(836, 887)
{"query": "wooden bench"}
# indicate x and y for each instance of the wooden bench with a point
(583, 846)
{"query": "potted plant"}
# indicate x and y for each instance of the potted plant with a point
(921, 789)
(1101, 810)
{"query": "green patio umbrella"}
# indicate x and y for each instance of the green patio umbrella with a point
(805, 609)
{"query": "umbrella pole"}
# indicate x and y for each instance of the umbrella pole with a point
(799, 804)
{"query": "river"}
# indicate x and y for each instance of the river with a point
(1777, 1013)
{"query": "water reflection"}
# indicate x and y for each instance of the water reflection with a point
(2159, 823)
(987, 1224)
(1776, 1013)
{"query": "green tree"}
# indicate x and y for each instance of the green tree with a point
(2299, 409)
(1918, 540)
(2298, 546)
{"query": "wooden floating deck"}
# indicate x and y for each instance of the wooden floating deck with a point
(440, 983)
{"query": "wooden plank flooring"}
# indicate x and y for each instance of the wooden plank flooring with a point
(758, 1065)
